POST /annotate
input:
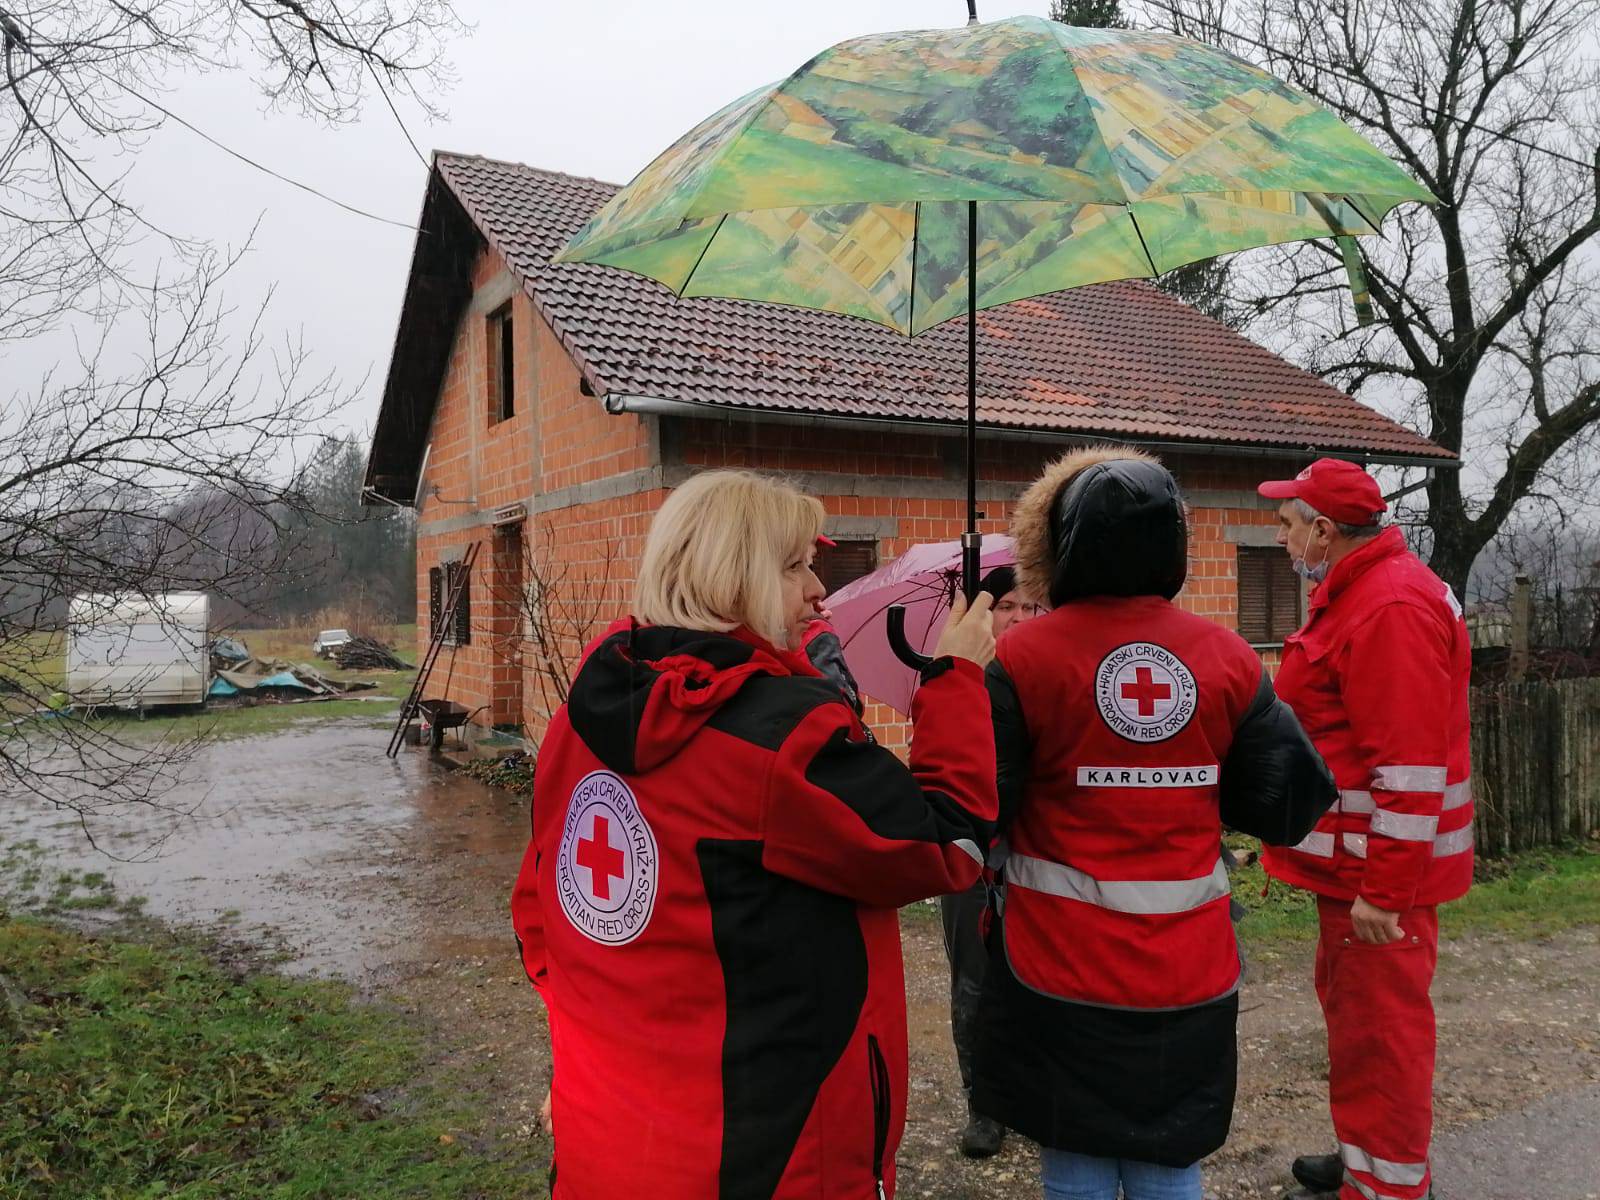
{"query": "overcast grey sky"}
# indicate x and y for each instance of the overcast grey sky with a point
(593, 87)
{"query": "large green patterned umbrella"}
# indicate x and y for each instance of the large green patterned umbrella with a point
(909, 178)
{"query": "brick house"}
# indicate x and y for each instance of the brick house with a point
(545, 412)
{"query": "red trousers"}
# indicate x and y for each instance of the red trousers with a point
(1380, 1050)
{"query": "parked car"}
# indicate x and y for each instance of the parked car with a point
(330, 640)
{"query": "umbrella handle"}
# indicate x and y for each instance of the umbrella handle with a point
(899, 643)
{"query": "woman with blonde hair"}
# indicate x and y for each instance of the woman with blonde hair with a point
(707, 905)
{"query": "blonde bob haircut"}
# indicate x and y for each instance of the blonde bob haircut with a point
(717, 550)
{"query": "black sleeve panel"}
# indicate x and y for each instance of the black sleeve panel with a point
(1013, 747)
(1275, 785)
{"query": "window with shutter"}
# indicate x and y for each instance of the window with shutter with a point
(1269, 595)
(845, 563)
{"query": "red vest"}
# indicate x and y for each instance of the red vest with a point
(1114, 892)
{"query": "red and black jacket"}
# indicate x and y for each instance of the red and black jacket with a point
(707, 907)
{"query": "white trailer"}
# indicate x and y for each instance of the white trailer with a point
(128, 652)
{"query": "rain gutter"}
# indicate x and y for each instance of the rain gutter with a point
(617, 403)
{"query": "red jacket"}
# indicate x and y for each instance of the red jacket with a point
(707, 907)
(1378, 676)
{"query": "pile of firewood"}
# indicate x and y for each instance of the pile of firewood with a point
(368, 654)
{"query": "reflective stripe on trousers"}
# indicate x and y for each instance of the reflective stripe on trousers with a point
(1381, 1169)
(1118, 895)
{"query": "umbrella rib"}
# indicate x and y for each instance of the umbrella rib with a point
(689, 278)
(937, 589)
(1371, 224)
(1140, 234)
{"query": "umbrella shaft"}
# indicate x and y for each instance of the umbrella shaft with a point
(969, 558)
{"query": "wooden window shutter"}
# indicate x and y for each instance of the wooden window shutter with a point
(1269, 595)
(1286, 593)
(435, 599)
(845, 563)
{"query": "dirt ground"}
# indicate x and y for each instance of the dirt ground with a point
(394, 875)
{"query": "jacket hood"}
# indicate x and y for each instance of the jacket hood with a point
(643, 691)
(1102, 521)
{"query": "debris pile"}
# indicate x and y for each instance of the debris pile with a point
(254, 680)
(368, 654)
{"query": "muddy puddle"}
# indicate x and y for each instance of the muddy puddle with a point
(312, 843)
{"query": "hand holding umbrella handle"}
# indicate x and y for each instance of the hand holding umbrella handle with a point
(899, 643)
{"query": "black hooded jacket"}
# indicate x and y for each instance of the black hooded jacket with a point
(1103, 535)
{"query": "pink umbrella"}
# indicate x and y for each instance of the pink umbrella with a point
(924, 579)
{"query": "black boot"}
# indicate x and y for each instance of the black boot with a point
(1318, 1173)
(982, 1136)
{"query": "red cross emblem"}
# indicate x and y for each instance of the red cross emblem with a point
(1145, 690)
(605, 861)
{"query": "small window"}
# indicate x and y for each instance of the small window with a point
(1269, 595)
(845, 563)
(501, 371)
(435, 599)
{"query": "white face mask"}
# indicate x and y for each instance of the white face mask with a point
(1315, 572)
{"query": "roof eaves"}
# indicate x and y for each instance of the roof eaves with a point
(618, 403)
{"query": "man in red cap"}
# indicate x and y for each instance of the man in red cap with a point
(1378, 676)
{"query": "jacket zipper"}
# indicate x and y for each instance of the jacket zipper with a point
(878, 1074)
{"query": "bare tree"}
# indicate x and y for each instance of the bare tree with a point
(1486, 302)
(82, 85)
(175, 474)
(179, 463)
(559, 606)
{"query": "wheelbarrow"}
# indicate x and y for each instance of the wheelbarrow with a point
(442, 715)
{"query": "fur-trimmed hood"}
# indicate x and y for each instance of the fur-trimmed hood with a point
(1102, 520)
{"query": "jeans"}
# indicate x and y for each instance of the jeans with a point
(1069, 1176)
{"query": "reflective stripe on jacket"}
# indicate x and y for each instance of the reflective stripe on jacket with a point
(1378, 677)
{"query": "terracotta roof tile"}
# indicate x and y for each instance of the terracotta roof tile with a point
(1121, 359)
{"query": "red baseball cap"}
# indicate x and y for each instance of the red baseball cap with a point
(1339, 490)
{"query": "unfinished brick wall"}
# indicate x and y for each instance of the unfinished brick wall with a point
(554, 456)
(558, 438)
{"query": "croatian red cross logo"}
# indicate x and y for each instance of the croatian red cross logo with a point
(606, 869)
(1144, 692)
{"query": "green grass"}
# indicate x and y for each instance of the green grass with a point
(38, 661)
(225, 722)
(1531, 894)
(136, 1069)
